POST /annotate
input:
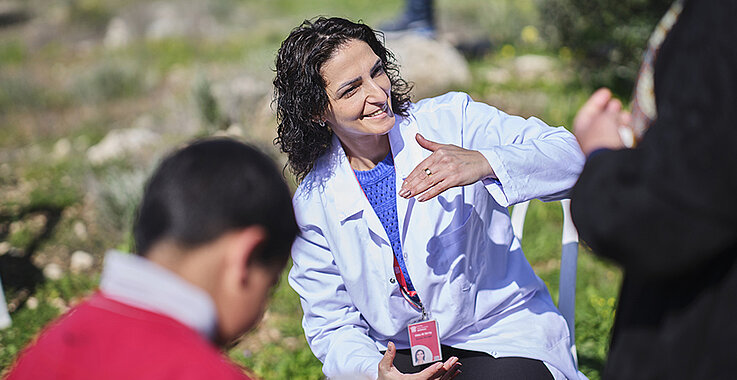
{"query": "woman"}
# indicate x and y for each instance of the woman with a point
(420, 357)
(355, 142)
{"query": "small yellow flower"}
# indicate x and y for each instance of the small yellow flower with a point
(508, 51)
(530, 35)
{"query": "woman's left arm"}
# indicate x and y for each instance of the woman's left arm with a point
(518, 159)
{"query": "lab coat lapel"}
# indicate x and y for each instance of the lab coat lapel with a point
(346, 194)
(407, 154)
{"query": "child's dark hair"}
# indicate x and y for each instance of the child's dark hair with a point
(211, 187)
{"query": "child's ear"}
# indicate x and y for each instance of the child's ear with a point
(245, 244)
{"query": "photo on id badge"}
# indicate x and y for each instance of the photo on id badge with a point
(424, 342)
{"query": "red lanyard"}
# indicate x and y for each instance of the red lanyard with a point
(406, 293)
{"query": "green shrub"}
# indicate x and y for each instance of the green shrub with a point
(119, 192)
(607, 38)
(12, 52)
(19, 91)
(207, 104)
(109, 80)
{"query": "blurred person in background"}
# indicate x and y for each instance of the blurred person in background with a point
(403, 215)
(665, 210)
(418, 17)
(213, 234)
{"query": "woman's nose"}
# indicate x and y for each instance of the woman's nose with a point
(375, 92)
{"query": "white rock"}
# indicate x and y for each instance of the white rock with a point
(168, 22)
(62, 148)
(4, 247)
(119, 143)
(239, 96)
(118, 34)
(433, 66)
(52, 271)
(235, 130)
(32, 303)
(528, 67)
(498, 75)
(181, 19)
(80, 261)
(80, 230)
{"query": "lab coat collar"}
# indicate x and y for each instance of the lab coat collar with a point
(407, 152)
(340, 186)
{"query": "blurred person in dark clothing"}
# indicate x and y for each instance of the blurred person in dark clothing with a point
(665, 210)
(418, 17)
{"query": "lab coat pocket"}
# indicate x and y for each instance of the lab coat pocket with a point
(457, 254)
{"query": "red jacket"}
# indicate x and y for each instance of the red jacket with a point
(106, 339)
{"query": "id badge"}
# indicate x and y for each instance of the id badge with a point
(424, 342)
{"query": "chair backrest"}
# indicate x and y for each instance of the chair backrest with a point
(568, 264)
(4, 316)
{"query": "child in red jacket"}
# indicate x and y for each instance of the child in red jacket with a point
(212, 234)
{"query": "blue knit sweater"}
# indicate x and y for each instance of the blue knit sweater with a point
(379, 185)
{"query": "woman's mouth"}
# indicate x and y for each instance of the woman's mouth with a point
(378, 112)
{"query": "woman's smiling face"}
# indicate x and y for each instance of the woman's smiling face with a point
(359, 92)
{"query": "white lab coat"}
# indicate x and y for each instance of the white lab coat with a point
(460, 252)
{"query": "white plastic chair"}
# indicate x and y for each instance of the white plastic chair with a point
(4, 316)
(568, 264)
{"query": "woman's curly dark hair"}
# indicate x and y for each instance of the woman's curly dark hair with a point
(299, 87)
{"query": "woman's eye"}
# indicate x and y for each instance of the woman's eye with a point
(350, 92)
(378, 71)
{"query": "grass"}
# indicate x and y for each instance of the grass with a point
(59, 90)
(12, 53)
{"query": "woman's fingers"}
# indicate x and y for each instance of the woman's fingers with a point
(424, 175)
(448, 166)
(454, 371)
(434, 371)
(450, 362)
(427, 144)
(421, 178)
(387, 362)
(448, 370)
(434, 191)
(445, 371)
